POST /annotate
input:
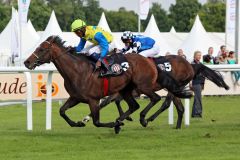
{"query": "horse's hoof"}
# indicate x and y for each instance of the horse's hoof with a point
(143, 123)
(129, 119)
(80, 124)
(117, 129)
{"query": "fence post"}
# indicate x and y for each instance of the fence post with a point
(49, 102)
(170, 114)
(187, 112)
(29, 101)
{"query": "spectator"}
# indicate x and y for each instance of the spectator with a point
(197, 86)
(222, 50)
(210, 55)
(180, 53)
(232, 60)
(223, 59)
(207, 59)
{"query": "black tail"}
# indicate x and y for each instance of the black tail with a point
(210, 74)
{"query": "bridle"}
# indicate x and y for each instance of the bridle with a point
(39, 60)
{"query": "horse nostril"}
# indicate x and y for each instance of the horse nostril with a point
(26, 63)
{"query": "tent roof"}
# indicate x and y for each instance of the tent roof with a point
(52, 28)
(103, 23)
(153, 32)
(197, 39)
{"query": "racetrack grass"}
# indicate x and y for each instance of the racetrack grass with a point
(214, 137)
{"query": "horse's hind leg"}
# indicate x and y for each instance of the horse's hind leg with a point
(164, 106)
(71, 102)
(154, 98)
(180, 110)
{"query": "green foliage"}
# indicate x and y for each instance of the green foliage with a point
(161, 17)
(122, 20)
(182, 12)
(213, 16)
(39, 14)
(181, 15)
(5, 15)
(92, 12)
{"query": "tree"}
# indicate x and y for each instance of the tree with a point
(39, 13)
(161, 17)
(64, 11)
(5, 15)
(213, 16)
(122, 20)
(182, 13)
(92, 12)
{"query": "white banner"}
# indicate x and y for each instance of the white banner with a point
(23, 6)
(143, 8)
(230, 22)
(15, 44)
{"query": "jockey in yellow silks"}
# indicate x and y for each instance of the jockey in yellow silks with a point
(102, 42)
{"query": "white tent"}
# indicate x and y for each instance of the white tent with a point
(29, 37)
(197, 39)
(172, 30)
(153, 32)
(103, 23)
(52, 28)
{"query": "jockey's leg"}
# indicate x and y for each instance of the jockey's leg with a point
(106, 65)
(152, 52)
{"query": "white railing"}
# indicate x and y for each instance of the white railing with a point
(50, 71)
(27, 72)
(225, 67)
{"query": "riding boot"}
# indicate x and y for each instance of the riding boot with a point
(109, 71)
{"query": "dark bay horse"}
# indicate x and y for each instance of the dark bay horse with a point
(182, 77)
(84, 85)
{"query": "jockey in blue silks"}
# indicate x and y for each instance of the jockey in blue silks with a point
(142, 45)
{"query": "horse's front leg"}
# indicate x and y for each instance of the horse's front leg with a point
(94, 107)
(71, 102)
(154, 98)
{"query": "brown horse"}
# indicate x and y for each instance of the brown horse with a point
(84, 85)
(182, 77)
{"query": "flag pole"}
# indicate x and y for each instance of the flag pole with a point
(139, 20)
(237, 31)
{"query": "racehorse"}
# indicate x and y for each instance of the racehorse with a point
(180, 76)
(84, 85)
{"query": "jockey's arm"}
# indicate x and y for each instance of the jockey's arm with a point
(80, 45)
(136, 46)
(125, 49)
(102, 41)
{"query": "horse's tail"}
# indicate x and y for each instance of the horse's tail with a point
(210, 74)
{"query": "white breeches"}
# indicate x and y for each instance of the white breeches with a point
(96, 49)
(151, 52)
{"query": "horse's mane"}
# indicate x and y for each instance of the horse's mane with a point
(60, 43)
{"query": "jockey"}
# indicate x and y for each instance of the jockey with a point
(142, 45)
(102, 42)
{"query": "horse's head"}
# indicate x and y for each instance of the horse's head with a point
(42, 54)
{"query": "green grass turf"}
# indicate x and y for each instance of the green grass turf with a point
(214, 137)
